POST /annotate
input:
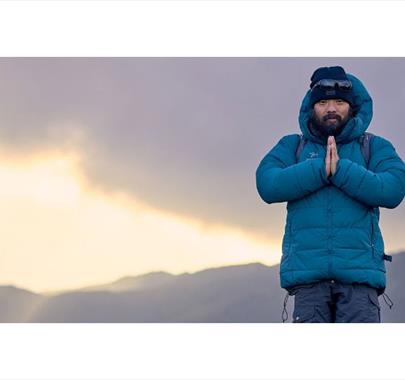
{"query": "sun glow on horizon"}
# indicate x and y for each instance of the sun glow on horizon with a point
(59, 232)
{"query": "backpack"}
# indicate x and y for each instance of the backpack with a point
(364, 141)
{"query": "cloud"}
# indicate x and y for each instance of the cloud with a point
(184, 135)
(59, 232)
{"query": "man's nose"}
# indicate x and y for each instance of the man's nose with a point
(331, 107)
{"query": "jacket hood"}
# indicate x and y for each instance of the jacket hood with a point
(357, 124)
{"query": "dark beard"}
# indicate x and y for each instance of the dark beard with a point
(320, 127)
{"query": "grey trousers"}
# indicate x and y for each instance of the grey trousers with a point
(334, 302)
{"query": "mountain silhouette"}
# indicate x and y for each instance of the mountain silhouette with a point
(237, 293)
(17, 305)
(149, 280)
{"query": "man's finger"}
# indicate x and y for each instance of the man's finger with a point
(335, 152)
(327, 159)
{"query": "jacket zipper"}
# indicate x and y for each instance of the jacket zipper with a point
(329, 213)
(372, 233)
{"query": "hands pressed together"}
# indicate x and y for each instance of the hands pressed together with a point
(332, 157)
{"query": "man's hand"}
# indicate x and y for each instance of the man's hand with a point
(332, 157)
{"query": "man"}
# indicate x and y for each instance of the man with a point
(332, 250)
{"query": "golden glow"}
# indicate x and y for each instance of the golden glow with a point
(59, 233)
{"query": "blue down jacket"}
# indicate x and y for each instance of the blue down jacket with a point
(332, 230)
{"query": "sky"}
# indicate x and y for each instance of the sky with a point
(112, 167)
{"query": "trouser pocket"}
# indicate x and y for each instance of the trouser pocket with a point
(375, 308)
(310, 304)
(358, 304)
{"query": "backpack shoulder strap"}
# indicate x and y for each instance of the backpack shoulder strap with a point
(300, 147)
(365, 143)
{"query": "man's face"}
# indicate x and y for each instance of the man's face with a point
(331, 115)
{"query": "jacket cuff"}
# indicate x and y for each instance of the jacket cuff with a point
(342, 168)
(319, 167)
(316, 176)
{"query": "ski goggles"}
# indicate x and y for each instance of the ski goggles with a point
(343, 85)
